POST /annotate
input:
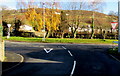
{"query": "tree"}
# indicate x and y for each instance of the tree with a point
(64, 23)
(74, 19)
(52, 18)
(35, 19)
(94, 6)
(52, 22)
(47, 19)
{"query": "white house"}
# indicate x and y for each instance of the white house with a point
(26, 28)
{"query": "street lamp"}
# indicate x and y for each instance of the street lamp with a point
(43, 39)
(9, 25)
(118, 25)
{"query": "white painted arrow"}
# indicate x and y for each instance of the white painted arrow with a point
(47, 50)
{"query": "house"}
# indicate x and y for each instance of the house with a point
(26, 28)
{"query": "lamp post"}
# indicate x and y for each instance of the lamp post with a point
(43, 39)
(9, 25)
(118, 25)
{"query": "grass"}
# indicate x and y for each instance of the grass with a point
(59, 40)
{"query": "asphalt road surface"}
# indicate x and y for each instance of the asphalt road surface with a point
(43, 59)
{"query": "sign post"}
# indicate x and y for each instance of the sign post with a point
(118, 25)
(9, 25)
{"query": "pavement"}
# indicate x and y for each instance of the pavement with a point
(11, 61)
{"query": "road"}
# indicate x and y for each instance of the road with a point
(47, 59)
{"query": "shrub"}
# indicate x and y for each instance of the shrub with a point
(113, 50)
(27, 34)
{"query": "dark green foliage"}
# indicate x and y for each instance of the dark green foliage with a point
(27, 34)
(5, 28)
(64, 24)
(113, 50)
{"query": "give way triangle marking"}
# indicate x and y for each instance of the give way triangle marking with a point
(47, 50)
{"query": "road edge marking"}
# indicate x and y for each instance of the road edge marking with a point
(73, 68)
(70, 53)
(64, 47)
(114, 58)
(22, 59)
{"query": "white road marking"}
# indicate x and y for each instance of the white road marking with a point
(115, 58)
(70, 53)
(41, 46)
(63, 47)
(73, 68)
(22, 59)
(47, 50)
(33, 60)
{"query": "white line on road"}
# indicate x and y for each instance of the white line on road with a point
(63, 47)
(74, 61)
(70, 53)
(47, 50)
(22, 59)
(115, 58)
(73, 68)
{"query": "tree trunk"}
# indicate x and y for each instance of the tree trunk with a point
(92, 34)
(74, 35)
(73, 31)
(62, 36)
(111, 30)
(104, 34)
(47, 34)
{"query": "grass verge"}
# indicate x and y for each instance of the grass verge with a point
(59, 40)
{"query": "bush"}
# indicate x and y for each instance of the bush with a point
(113, 50)
(27, 34)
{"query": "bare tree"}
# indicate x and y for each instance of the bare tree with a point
(74, 18)
(95, 5)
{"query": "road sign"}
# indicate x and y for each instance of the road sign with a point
(114, 25)
(9, 25)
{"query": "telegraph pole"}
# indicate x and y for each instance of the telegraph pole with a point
(118, 25)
